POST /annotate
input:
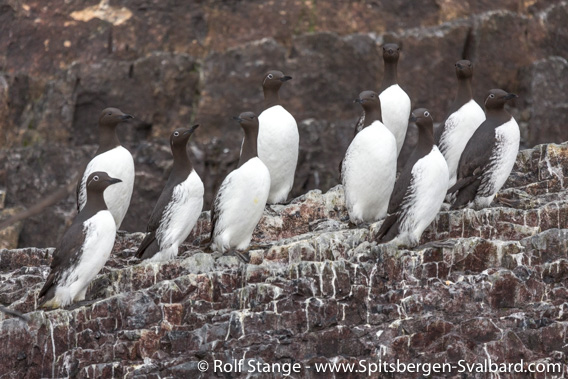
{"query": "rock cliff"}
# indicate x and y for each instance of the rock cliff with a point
(177, 63)
(487, 284)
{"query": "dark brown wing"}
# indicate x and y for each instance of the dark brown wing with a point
(474, 161)
(386, 227)
(400, 189)
(216, 206)
(477, 153)
(359, 125)
(214, 215)
(149, 246)
(65, 255)
(79, 189)
(154, 223)
(466, 194)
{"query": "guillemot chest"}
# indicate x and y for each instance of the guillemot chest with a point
(395, 110)
(503, 157)
(277, 129)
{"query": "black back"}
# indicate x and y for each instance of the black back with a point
(402, 188)
(181, 170)
(476, 156)
(69, 250)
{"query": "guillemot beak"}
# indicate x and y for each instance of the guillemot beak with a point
(412, 118)
(510, 96)
(191, 130)
(285, 78)
(237, 119)
(126, 117)
(114, 181)
(360, 101)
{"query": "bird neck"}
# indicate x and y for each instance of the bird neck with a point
(499, 115)
(391, 75)
(271, 97)
(464, 91)
(108, 139)
(249, 150)
(423, 147)
(371, 115)
(95, 204)
(182, 163)
(426, 137)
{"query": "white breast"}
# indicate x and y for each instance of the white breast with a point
(459, 128)
(278, 144)
(395, 110)
(507, 139)
(100, 232)
(429, 183)
(117, 163)
(242, 198)
(369, 173)
(179, 217)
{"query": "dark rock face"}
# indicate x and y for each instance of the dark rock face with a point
(201, 62)
(487, 284)
(548, 108)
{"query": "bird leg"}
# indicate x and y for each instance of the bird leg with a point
(14, 313)
(82, 303)
(360, 225)
(244, 256)
(436, 244)
(259, 246)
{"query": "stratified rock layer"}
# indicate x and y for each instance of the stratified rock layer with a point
(487, 284)
(179, 63)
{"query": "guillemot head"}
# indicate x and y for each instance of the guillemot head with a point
(496, 98)
(98, 181)
(368, 100)
(464, 69)
(180, 136)
(248, 121)
(112, 117)
(421, 117)
(274, 79)
(391, 52)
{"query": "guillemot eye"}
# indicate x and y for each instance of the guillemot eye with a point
(110, 113)
(270, 76)
(96, 178)
(176, 134)
(426, 114)
(491, 96)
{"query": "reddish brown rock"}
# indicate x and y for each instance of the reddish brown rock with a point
(316, 291)
(487, 283)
